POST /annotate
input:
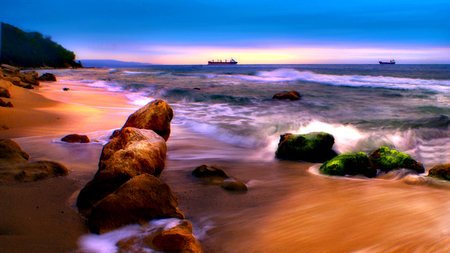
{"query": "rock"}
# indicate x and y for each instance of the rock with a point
(29, 77)
(29, 86)
(440, 171)
(76, 138)
(12, 153)
(154, 116)
(177, 239)
(2, 103)
(15, 80)
(29, 172)
(291, 95)
(387, 160)
(348, 164)
(5, 93)
(312, 147)
(139, 200)
(234, 185)
(10, 70)
(213, 174)
(133, 152)
(66, 89)
(9, 104)
(4, 127)
(47, 77)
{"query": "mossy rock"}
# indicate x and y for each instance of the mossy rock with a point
(348, 164)
(311, 147)
(440, 171)
(386, 160)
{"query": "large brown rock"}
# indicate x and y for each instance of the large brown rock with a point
(29, 172)
(177, 239)
(440, 171)
(139, 200)
(155, 116)
(133, 152)
(12, 153)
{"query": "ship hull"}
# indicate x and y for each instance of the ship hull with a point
(222, 63)
(380, 62)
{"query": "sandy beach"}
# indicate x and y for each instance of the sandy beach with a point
(41, 216)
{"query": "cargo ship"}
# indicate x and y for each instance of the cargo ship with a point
(220, 62)
(389, 62)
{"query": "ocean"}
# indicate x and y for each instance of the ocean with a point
(227, 116)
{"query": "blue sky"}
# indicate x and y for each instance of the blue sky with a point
(263, 31)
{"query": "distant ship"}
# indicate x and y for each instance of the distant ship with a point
(390, 62)
(220, 62)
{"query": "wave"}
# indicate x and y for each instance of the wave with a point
(142, 73)
(285, 75)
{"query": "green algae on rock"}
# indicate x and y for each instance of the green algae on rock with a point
(387, 160)
(348, 164)
(311, 147)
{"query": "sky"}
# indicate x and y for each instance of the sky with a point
(250, 31)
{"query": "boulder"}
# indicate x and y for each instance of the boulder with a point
(348, 164)
(14, 80)
(5, 93)
(386, 160)
(29, 172)
(177, 239)
(234, 185)
(12, 153)
(213, 174)
(29, 77)
(311, 147)
(10, 70)
(29, 86)
(47, 77)
(291, 95)
(133, 152)
(5, 104)
(76, 138)
(139, 200)
(155, 116)
(440, 171)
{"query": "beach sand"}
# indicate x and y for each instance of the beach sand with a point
(41, 216)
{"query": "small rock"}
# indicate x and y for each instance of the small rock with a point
(291, 95)
(177, 239)
(212, 174)
(440, 171)
(29, 86)
(234, 185)
(66, 89)
(76, 138)
(5, 93)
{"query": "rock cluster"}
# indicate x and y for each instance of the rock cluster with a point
(15, 165)
(383, 159)
(24, 79)
(126, 188)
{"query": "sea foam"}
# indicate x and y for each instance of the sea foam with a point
(285, 75)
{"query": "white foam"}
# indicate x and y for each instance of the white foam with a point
(139, 99)
(284, 75)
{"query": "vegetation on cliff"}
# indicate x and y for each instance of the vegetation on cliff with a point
(33, 50)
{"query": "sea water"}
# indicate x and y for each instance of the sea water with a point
(226, 115)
